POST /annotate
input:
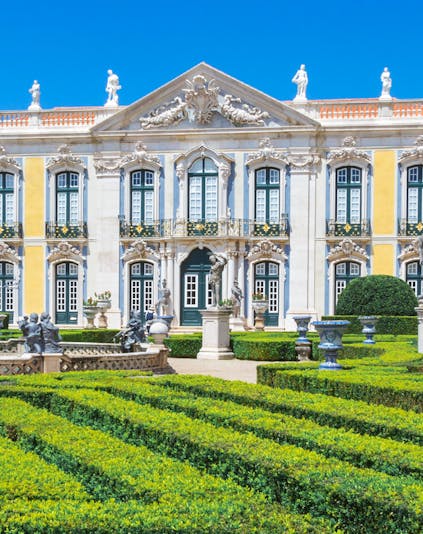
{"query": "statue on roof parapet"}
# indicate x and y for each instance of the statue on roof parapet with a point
(386, 80)
(35, 93)
(301, 80)
(112, 87)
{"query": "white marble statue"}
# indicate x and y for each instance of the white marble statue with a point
(301, 79)
(386, 80)
(35, 92)
(112, 88)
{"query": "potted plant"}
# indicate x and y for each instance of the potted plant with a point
(103, 303)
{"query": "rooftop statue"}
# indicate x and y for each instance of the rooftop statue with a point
(35, 92)
(112, 88)
(301, 80)
(386, 80)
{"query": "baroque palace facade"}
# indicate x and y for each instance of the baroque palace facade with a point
(300, 197)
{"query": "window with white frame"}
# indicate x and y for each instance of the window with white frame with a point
(142, 197)
(6, 286)
(414, 194)
(345, 272)
(67, 198)
(267, 195)
(7, 199)
(348, 195)
(141, 287)
(414, 277)
(202, 190)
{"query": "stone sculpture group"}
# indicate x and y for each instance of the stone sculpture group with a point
(41, 336)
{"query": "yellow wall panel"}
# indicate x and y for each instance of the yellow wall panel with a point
(383, 259)
(384, 187)
(34, 218)
(34, 279)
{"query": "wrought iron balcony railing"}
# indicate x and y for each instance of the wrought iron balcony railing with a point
(189, 228)
(348, 229)
(11, 231)
(66, 231)
(406, 228)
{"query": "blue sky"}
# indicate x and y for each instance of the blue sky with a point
(68, 47)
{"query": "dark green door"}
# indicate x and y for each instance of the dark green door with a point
(266, 281)
(66, 293)
(195, 294)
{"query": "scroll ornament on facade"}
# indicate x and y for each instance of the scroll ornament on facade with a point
(415, 153)
(65, 251)
(346, 249)
(348, 152)
(64, 158)
(6, 162)
(201, 99)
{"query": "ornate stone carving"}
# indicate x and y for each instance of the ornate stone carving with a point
(413, 154)
(266, 249)
(6, 162)
(202, 98)
(267, 152)
(140, 157)
(246, 115)
(64, 158)
(8, 253)
(65, 251)
(300, 161)
(347, 249)
(413, 250)
(348, 152)
(165, 115)
(105, 166)
(139, 250)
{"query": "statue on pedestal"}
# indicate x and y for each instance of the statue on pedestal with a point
(35, 92)
(112, 88)
(162, 306)
(301, 80)
(218, 263)
(386, 80)
(237, 296)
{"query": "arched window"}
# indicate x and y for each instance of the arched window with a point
(66, 297)
(141, 286)
(345, 272)
(348, 197)
(414, 277)
(142, 197)
(266, 282)
(6, 287)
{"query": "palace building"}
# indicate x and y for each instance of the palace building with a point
(299, 196)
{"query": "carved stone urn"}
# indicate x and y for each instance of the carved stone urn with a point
(90, 312)
(302, 326)
(330, 333)
(369, 328)
(259, 306)
(103, 305)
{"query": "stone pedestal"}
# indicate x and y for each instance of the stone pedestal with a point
(236, 324)
(51, 362)
(216, 339)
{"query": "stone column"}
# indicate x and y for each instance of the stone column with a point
(302, 222)
(171, 279)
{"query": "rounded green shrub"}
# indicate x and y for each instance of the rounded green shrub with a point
(377, 294)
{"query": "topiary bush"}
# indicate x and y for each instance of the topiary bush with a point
(377, 294)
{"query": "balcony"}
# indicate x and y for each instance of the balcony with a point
(406, 228)
(336, 229)
(11, 232)
(66, 231)
(168, 228)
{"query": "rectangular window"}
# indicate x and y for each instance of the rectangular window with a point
(413, 205)
(341, 206)
(274, 206)
(354, 269)
(355, 206)
(136, 207)
(211, 198)
(148, 269)
(148, 294)
(413, 285)
(339, 288)
(195, 193)
(191, 291)
(73, 295)
(61, 295)
(148, 207)
(273, 296)
(260, 205)
(135, 295)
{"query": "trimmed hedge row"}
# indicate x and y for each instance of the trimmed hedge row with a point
(25, 475)
(336, 412)
(184, 346)
(359, 498)
(381, 454)
(94, 335)
(369, 386)
(111, 467)
(386, 324)
(263, 348)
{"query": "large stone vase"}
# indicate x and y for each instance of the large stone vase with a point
(302, 326)
(330, 333)
(369, 328)
(89, 313)
(103, 306)
(259, 307)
